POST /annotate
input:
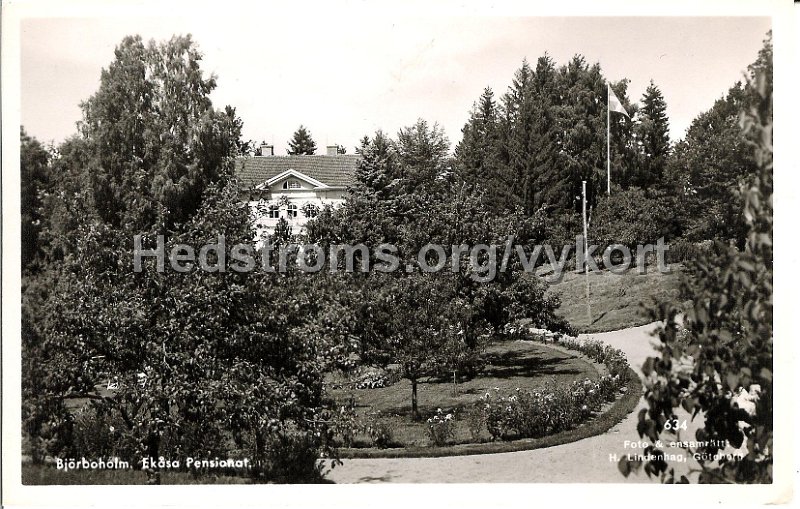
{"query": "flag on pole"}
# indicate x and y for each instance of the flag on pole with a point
(614, 104)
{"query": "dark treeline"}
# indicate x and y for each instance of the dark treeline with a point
(533, 146)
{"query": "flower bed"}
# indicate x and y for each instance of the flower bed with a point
(555, 408)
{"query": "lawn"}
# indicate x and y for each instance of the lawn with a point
(509, 365)
(615, 299)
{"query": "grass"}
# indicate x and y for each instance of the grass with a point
(50, 475)
(509, 365)
(615, 299)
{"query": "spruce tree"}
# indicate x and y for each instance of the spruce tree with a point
(653, 135)
(546, 173)
(302, 143)
(475, 153)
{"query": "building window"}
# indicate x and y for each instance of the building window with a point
(310, 210)
(274, 212)
(291, 210)
(291, 184)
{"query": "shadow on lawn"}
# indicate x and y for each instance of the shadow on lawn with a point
(526, 364)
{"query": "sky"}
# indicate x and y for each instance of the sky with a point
(344, 77)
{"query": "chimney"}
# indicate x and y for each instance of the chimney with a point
(333, 150)
(267, 150)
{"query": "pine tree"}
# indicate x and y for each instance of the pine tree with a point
(302, 143)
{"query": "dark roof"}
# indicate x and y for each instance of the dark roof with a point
(334, 171)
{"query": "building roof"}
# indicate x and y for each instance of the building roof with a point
(333, 171)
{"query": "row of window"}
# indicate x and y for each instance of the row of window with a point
(274, 212)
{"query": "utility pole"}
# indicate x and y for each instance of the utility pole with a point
(585, 254)
(608, 138)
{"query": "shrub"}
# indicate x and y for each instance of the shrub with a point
(345, 424)
(441, 428)
(550, 409)
(612, 358)
(380, 431)
(98, 434)
(290, 458)
(683, 251)
(476, 422)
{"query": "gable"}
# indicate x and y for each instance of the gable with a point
(292, 178)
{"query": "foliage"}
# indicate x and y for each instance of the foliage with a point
(430, 324)
(194, 360)
(346, 425)
(292, 458)
(380, 432)
(549, 135)
(634, 217)
(152, 132)
(723, 355)
(34, 162)
(612, 358)
(375, 380)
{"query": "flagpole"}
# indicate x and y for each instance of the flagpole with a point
(608, 137)
(585, 251)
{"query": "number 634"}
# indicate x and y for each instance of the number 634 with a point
(675, 424)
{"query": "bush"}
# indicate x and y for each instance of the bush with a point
(635, 216)
(476, 422)
(98, 434)
(682, 251)
(290, 458)
(441, 428)
(345, 424)
(613, 359)
(549, 410)
(380, 432)
(718, 359)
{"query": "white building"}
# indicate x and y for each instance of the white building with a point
(293, 187)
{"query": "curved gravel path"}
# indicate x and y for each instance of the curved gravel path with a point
(582, 461)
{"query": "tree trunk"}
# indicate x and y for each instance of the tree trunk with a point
(414, 409)
(153, 443)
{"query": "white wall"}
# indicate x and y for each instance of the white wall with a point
(299, 197)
